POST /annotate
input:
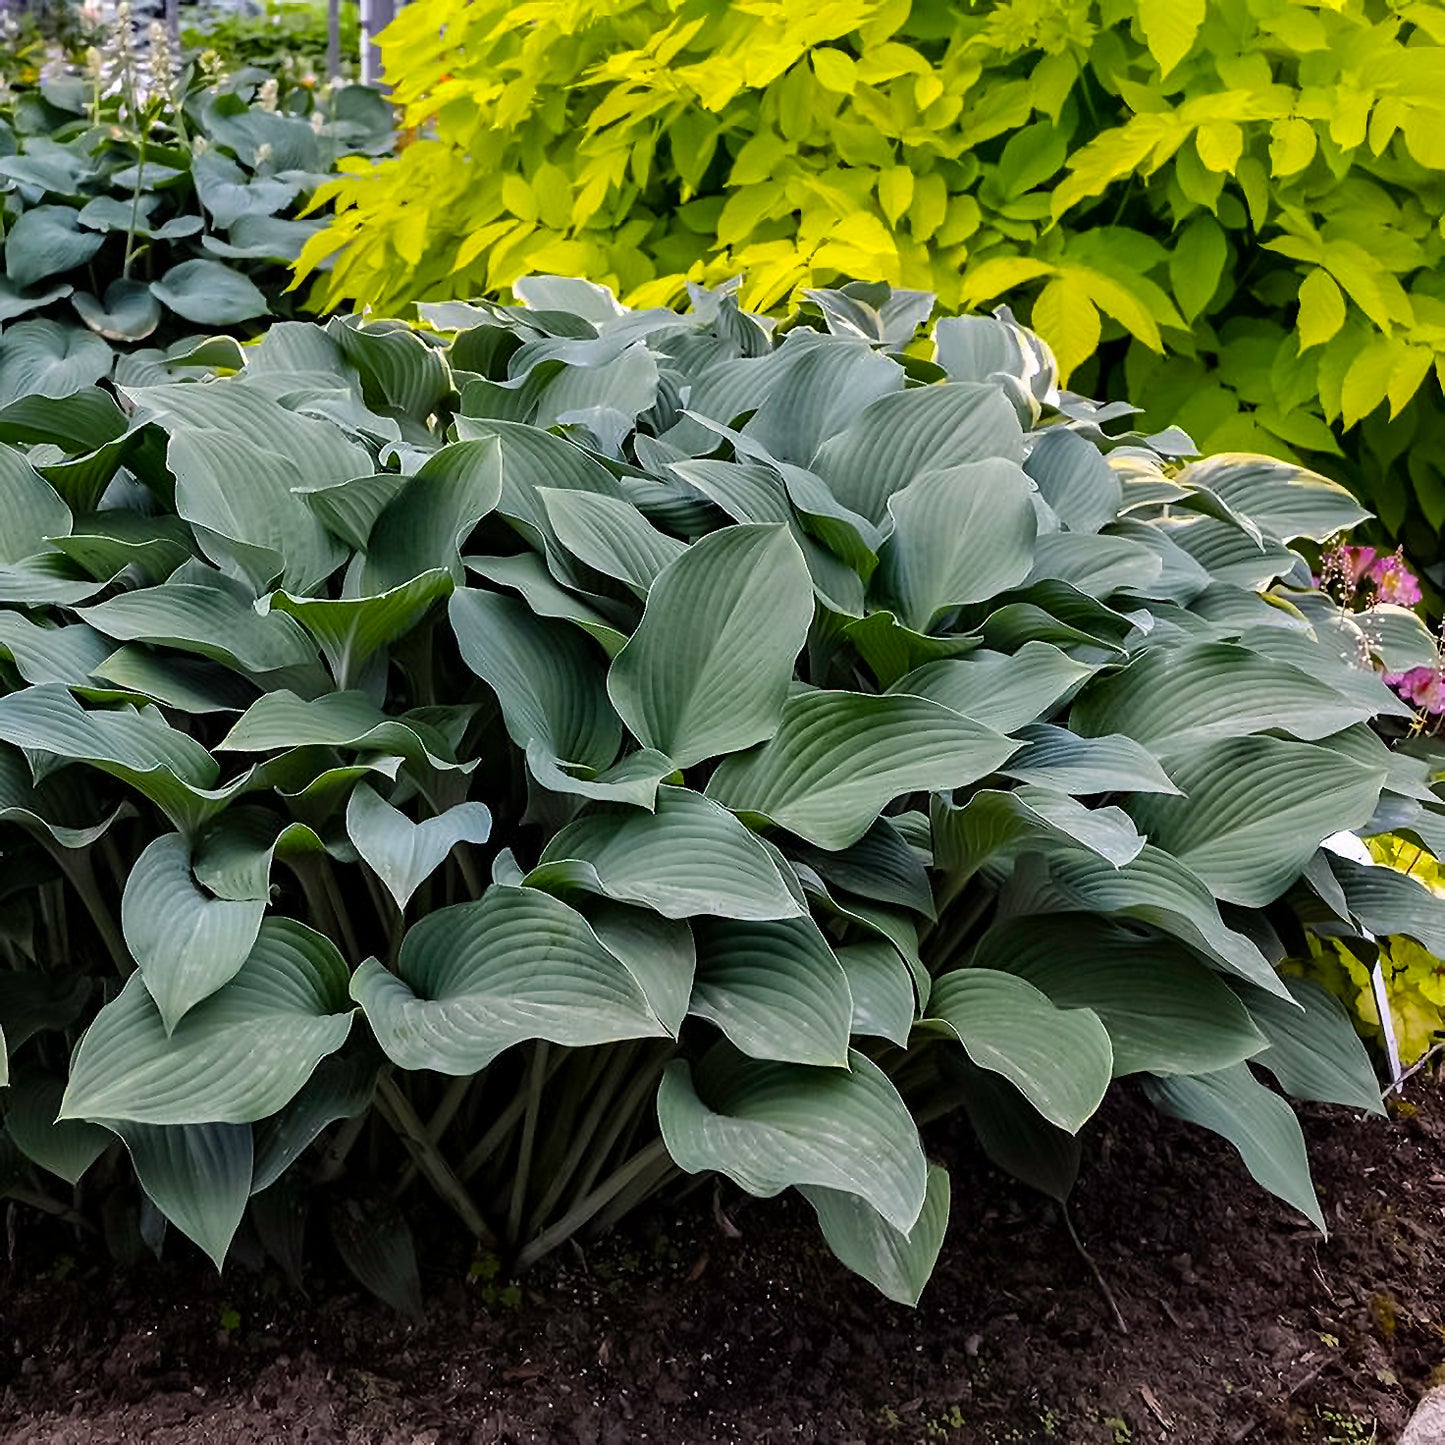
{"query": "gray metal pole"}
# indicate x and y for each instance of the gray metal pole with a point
(333, 39)
(376, 15)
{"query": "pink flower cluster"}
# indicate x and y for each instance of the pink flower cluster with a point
(1423, 686)
(1350, 567)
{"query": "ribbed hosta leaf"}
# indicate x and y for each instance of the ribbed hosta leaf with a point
(349, 509)
(610, 535)
(404, 854)
(66, 1148)
(1059, 1058)
(1175, 698)
(233, 856)
(1282, 498)
(840, 757)
(238, 1056)
(770, 1125)
(476, 978)
(897, 1262)
(1314, 1050)
(1387, 902)
(1156, 888)
(1075, 480)
(339, 1088)
(689, 859)
(881, 989)
(349, 630)
(1254, 810)
(30, 509)
(197, 1175)
(187, 944)
(899, 437)
(1055, 758)
(999, 691)
(1261, 1126)
(1098, 566)
(708, 668)
(1164, 1010)
(527, 574)
(960, 534)
(883, 864)
(775, 989)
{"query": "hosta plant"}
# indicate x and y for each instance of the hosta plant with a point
(570, 750)
(137, 218)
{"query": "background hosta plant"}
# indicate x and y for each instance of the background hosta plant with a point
(134, 218)
(576, 748)
(1227, 212)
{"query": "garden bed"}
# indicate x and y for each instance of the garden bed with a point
(728, 1320)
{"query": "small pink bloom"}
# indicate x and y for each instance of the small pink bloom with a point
(1394, 581)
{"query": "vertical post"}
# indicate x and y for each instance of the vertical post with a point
(333, 39)
(376, 15)
(173, 22)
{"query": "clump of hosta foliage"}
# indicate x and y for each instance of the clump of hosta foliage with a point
(142, 215)
(1241, 200)
(574, 749)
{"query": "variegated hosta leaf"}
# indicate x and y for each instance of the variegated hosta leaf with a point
(238, 1056)
(770, 1125)
(476, 978)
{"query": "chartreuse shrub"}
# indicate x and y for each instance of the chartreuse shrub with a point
(576, 748)
(1240, 200)
(136, 217)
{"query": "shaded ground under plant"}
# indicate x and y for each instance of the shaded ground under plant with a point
(727, 1320)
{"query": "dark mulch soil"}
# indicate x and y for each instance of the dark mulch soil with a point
(1242, 1324)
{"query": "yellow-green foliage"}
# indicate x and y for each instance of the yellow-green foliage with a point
(1252, 189)
(1414, 977)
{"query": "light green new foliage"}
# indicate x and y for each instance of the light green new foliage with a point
(1239, 201)
(795, 740)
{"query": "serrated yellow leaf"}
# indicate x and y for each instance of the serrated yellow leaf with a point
(517, 197)
(929, 207)
(1115, 299)
(926, 89)
(1412, 366)
(1367, 381)
(835, 70)
(1170, 28)
(1220, 143)
(1068, 320)
(1424, 130)
(1292, 145)
(1321, 309)
(553, 190)
(895, 192)
(408, 234)
(479, 241)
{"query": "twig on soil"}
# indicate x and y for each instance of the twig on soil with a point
(1414, 1069)
(1094, 1269)
(1155, 1408)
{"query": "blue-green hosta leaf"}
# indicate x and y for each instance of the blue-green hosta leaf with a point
(1013, 1134)
(882, 991)
(192, 684)
(549, 678)
(769, 1125)
(687, 859)
(399, 368)
(897, 438)
(187, 944)
(404, 854)
(135, 745)
(15, 301)
(46, 240)
(339, 1088)
(233, 856)
(610, 535)
(425, 524)
(210, 294)
(960, 534)
(1164, 1010)
(1075, 480)
(240, 1055)
(892, 650)
(30, 509)
(1059, 1058)
(882, 865)
(23, 804)
(263, 238)
(475, 978)
(526, 573)
(66, 1148)
(34, 1002)
(1097, 565)
(994, 822)
(215, 620)
(1314, 1050)
(897, 1262)
(46, 358)
(707, 670)
(1176, 698)
(999, 691)
(228, 193)
(775, 989)
(1262, 1127)
(80, 422)
(350, 630)
(1053, 757)
(197, 1175)
(839, 758)
(349, 509)
(888, 319)
(129, 311)
(1228, 553)
(1398, 636)
(1255, 809)
(1156, 888)
(1387, 902)
(106, 543)
(1283, 499)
